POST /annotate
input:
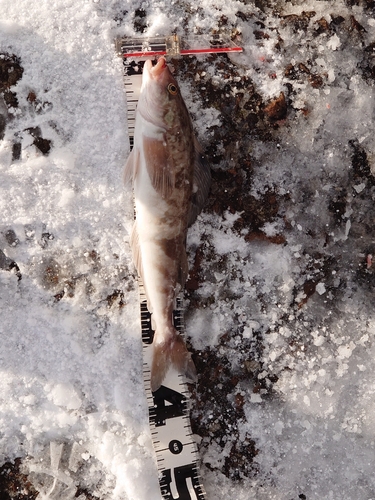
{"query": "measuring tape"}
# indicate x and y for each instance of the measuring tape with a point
(176, 452)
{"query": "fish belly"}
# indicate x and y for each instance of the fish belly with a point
(157, 234)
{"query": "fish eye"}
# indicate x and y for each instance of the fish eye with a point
(172, 89)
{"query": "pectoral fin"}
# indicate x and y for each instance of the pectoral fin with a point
(158, 165)
(201, 183)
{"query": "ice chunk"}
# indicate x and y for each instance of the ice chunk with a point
(66, 396)
(334, 42)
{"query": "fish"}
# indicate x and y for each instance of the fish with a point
(171, 180)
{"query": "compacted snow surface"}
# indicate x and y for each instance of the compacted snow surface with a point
(280, 299)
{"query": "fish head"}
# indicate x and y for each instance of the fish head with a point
(160, 94)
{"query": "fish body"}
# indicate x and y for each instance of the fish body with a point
(171, 181)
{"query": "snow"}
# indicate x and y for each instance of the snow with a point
(70, 356)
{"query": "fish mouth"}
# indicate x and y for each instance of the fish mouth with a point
(157, 70)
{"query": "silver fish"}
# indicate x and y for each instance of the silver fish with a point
(171, 180)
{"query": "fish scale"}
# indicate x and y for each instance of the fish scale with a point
(176, 451)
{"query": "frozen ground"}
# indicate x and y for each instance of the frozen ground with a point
(280, 300)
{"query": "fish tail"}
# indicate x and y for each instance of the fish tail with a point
(172, 352)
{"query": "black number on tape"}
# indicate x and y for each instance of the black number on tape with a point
(162, 412)
(186, 483)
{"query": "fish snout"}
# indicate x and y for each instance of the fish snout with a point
(159, 67)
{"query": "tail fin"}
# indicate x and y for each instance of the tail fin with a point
(171, 352)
